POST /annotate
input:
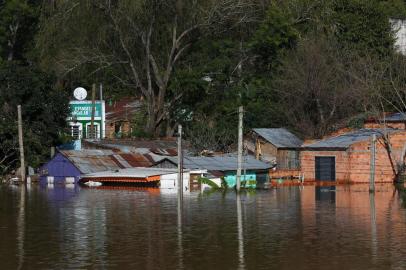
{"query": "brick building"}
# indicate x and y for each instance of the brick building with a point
(392, 120)
(346, 158)
(119, 116)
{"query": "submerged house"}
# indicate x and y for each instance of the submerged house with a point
(346, 158)
(254, 172)
(275, 145)
(154, 177)
(156, 148)
(67, 166)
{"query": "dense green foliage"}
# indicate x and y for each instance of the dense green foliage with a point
(309, 65)
(18, 21)
(44, 112)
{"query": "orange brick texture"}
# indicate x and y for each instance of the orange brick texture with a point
(353, 164)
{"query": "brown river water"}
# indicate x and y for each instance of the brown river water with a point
(306, 227)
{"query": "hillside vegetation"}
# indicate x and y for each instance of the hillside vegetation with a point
(308, 65)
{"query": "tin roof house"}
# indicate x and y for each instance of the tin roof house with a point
(254, 172)
(346, 158)
(152, 177)
(276, 145)
(68, 166)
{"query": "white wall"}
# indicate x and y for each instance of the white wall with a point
(217, 181)
(170, 181)
(399, 27)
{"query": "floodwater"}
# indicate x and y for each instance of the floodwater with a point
(306, 227)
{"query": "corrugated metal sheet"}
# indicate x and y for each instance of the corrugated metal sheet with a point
(137, 160)
(90, 160)
(122, 162)
(344, 141)
(395, 117)
(221, 163)
(280, 137)
(123, 109)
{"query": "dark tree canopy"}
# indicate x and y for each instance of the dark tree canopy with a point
(44, 112)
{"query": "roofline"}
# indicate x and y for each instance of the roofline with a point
(290, 148)
(282, 148)
(73, 163)
(386, 121)
(338, 148)
(165, 159)
(325, 148)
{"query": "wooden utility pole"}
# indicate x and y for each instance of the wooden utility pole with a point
(101, 92)
(239, 158)
(102, 131)
(180, 162)
(92, 133)
(372, 167)
(20, 143)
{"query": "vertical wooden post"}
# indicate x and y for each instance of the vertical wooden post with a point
(102, 112)
(180, 162)
(239, 158)
(21, 143)
(92, 133)
(101, 91)
(372, 167)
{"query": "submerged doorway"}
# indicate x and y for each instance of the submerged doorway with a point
(325, 168)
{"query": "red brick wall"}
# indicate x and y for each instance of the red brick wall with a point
(390, 125)
(353, 165)
(307, 160)
(274, 174)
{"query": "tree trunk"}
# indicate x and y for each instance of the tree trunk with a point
(170, 128)
(151, 121)
(155, 117)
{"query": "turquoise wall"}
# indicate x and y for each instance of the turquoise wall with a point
(248, 180)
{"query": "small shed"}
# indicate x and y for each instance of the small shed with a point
(346, 158)
(254, 172)
(276, 145)
(67, 166)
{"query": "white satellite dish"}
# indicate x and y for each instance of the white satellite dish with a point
(80, 93)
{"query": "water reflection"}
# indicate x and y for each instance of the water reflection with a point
(374, 239)
(180, 222)
(241, 261)
(285, 228)
(21, 227)
(326, 193)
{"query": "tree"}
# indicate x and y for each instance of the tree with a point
(44, 114)
(314, 89)
(141, 41)
(18, 20)
(363, 26)
(275, 35)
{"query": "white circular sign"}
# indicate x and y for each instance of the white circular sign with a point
(80, 93)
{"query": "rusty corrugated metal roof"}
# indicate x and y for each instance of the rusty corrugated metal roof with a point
(122, 110)
(137, 160)
(91, 160)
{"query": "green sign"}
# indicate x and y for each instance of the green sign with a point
(85, 109)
